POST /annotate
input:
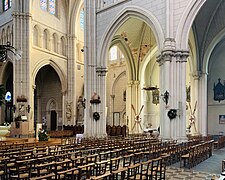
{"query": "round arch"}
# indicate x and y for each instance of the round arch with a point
(186, 22)
(123, 16)
(58, 70)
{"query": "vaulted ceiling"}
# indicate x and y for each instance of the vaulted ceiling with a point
(138, 36)
(209, 22)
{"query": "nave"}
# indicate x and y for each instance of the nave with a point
(132, 157)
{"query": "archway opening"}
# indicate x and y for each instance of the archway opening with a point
(129, 54)
(48, 99)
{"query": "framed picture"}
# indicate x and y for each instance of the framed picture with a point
(222, 119)
(116, 118)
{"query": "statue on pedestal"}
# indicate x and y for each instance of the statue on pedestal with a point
(80, 110)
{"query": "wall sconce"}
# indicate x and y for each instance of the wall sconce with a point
(166, 97)
(4, 52)
(28, 108)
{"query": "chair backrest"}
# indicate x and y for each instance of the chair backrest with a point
(133, 171)
(115, 163)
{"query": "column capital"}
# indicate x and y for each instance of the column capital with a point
(136, 83)
(196, 75)
(165, 55)
(181, 55)
(101, 71)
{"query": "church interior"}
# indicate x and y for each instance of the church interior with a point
(112, 89)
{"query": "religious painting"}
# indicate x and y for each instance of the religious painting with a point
(222, 119)
(219, 90)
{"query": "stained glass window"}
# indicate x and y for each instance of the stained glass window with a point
(5, 5)
(82, 19)
(52, 6)
(44, 4)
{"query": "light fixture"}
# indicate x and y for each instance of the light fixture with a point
(4, 49)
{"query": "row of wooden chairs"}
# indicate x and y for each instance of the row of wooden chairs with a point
(220, 143)
(25, 168)
(196, 154)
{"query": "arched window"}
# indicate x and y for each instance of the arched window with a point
(113, 55)
(49, 6)
(45, 39)
(44, 5)
(7, 4)
(35, 36)
(82, 19)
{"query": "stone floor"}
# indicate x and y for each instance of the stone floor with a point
(186, 174)
(208, 169)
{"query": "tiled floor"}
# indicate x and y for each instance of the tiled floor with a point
(208, 169)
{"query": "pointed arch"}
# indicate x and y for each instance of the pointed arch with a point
(56, 67)
(127, 54)
(186, 22)
(124, 15)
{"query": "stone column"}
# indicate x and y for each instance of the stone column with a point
(101, 124)
(164, 61)
(90, 75)
(195, 84)
(182, 57)
(129, 112)
(21, 69)
(202, 123)
(70, 95)
(173, 80)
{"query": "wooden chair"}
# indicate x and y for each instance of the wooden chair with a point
(120, 173)
(115, 163)
(133, 171)
(46, 177)
(187, 159)
(43, 169)
(153, 168)
(86, 171)
(161, 171)
(71, 173)
(22, 170)
(101, 171)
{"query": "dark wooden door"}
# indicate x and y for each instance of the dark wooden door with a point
(53, 120)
